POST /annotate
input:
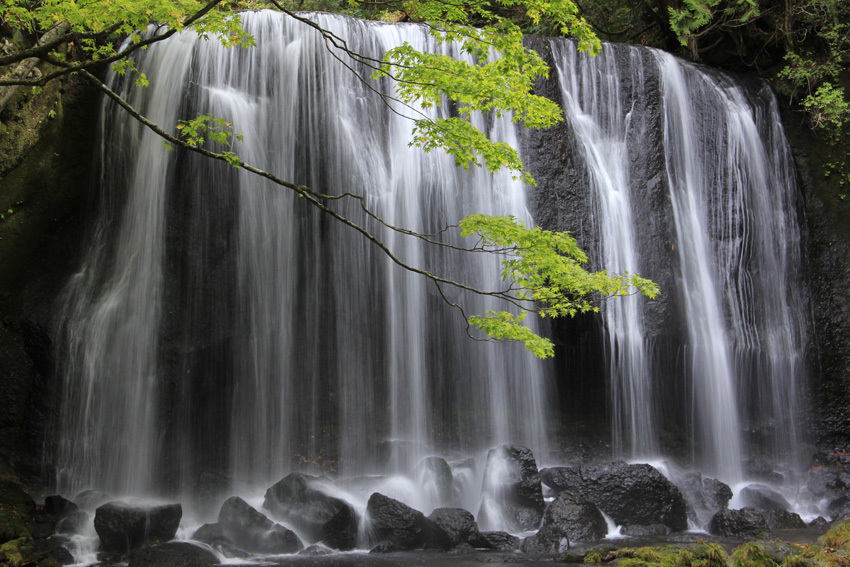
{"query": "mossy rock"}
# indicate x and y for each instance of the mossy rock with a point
(697, 555)
(17, 552)
(13, 525)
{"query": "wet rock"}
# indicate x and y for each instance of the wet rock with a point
(643, 531)
(434, 476)
(763, 469)
(706, 496)
(315, 550)
(401, 527)
(828, 482)
(630, 494)
(462, 549)
(58, 506)
(512, 491)
(498, 541)
(124, 526)
(568, 518)
(299, 500)
(173, 554)
(819, 524)
(209, 488)
(838, 507)
(763, 497)
(746, 523)
(778, 519)
(251, 530)
(91, 499)
(387, 547)
(457, 523)
(72, 523)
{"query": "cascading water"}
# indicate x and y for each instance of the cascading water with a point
(234, 331)
(737, 278)
(223, 332)
(594, 106)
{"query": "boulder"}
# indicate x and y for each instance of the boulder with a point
(778, 519)
(216, 537)
(173, 554)
(629, 494)
(746, 523)
(60, 507)
(316, 549)
(251, 530)
(512, 492)
(91, 499)
(298, 500)
(763, 469)
(434, 477)
(400, 528)
(763, 497)
(706, 496)
(498, 541)
(124, 526)
(72, 523)
(838, 507)
(819, 524)
(644, 531)
(567, 518)
(458, 524)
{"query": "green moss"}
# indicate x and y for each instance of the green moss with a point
(836, 538)
(594, 558)
(751, 555)
(16, 553)
(700, 555)
(797, 561)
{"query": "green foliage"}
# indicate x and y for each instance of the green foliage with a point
(545, 268)
(694, 16)
(209, 128)
(700, 555)
(497, 77)
(751, 555)
(594, 557)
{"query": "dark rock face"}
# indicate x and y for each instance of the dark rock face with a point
(122, 526)
(250, 530)
(567, 518)
(838, 507)
(499, 541)
(764, 498)
(783, 520)
(630, 494)
(457, 523)
(173, 554)
(643, 531)
(320, 517)
(399, 527)
(58, 506)
(746, 523)
(512, 485)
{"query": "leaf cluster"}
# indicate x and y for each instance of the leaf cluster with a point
(545, 268)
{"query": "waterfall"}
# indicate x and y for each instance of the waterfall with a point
(222, 326)
(725, 247)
